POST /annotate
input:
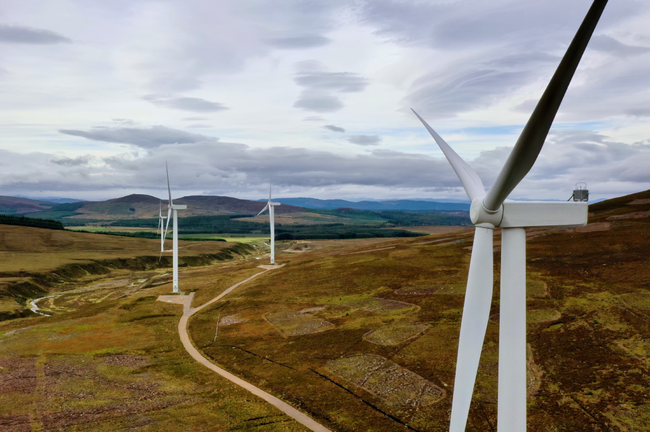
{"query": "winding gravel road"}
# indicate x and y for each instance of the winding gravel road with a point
(188, 311)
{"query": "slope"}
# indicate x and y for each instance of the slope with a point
(19, 206)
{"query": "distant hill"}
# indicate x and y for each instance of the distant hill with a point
(397, 205)
(138, 206)
(55, 200)
(16, 205)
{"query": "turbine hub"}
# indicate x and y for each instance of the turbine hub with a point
(480, 215)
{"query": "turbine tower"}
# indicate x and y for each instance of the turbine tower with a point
(173, 209)
(269, 205)
(492, 210)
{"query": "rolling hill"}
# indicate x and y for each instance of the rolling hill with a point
(138, 206)
(396, 205)
(20, 206)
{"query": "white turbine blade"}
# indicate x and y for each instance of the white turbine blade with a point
(262, 211)
(169, 217)
(159, 225)
(532, 138)
(476, 313)
(169, 189)
(471, 181)
(269, 190)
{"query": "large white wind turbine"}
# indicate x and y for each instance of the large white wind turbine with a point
(492, 210)
(269, 205)
(173, 209)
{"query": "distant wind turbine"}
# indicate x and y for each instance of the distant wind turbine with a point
(269, 205)
(492, 210)
(161, 229)
(173, 208)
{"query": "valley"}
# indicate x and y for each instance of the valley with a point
(358, 334)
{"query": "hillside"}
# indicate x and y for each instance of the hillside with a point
(138, 206)
(20, 206)
(358, 334)
(367, 338)
(396, 205)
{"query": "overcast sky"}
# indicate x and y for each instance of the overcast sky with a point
(96, 95)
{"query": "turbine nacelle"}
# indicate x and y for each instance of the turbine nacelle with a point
(528, 214)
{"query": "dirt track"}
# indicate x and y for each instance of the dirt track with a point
(188, 311)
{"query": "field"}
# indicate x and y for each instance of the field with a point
(359, 334)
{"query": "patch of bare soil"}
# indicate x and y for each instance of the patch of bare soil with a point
(380, 305)
(395, 334)
(633, 215)
(298, 323)
(397, 387)
(231, 320)
(594, 227)
(639, 201)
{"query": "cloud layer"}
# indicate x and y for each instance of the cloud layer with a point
(152, 137)
(27, 35)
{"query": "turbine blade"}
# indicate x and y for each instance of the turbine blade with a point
(476, 313)
(169, 189)
(471, 181)
(269, 190)
(159, 225)
(532, 138)
(262, 211)
(169, 217)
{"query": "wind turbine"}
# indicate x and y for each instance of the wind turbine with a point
(492, 210)
(160, 230)
(173, 208)
(269, 205)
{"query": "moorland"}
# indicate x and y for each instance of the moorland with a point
(360, 334)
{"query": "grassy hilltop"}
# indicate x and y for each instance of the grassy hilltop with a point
(360, 334)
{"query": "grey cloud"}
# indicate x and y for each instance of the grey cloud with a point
(334, 128)
(334, 81)
(300, 42)
(28, 35)
(448, 95)
(454, 25)
(66, 161)
(612, 46)
(309, 65)
(318, 102)
(313, 118)
(152, 137)
(195, 118)
(319, 88)
(124, 121)
(569, 156)
(364, 140)
(186, 103)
